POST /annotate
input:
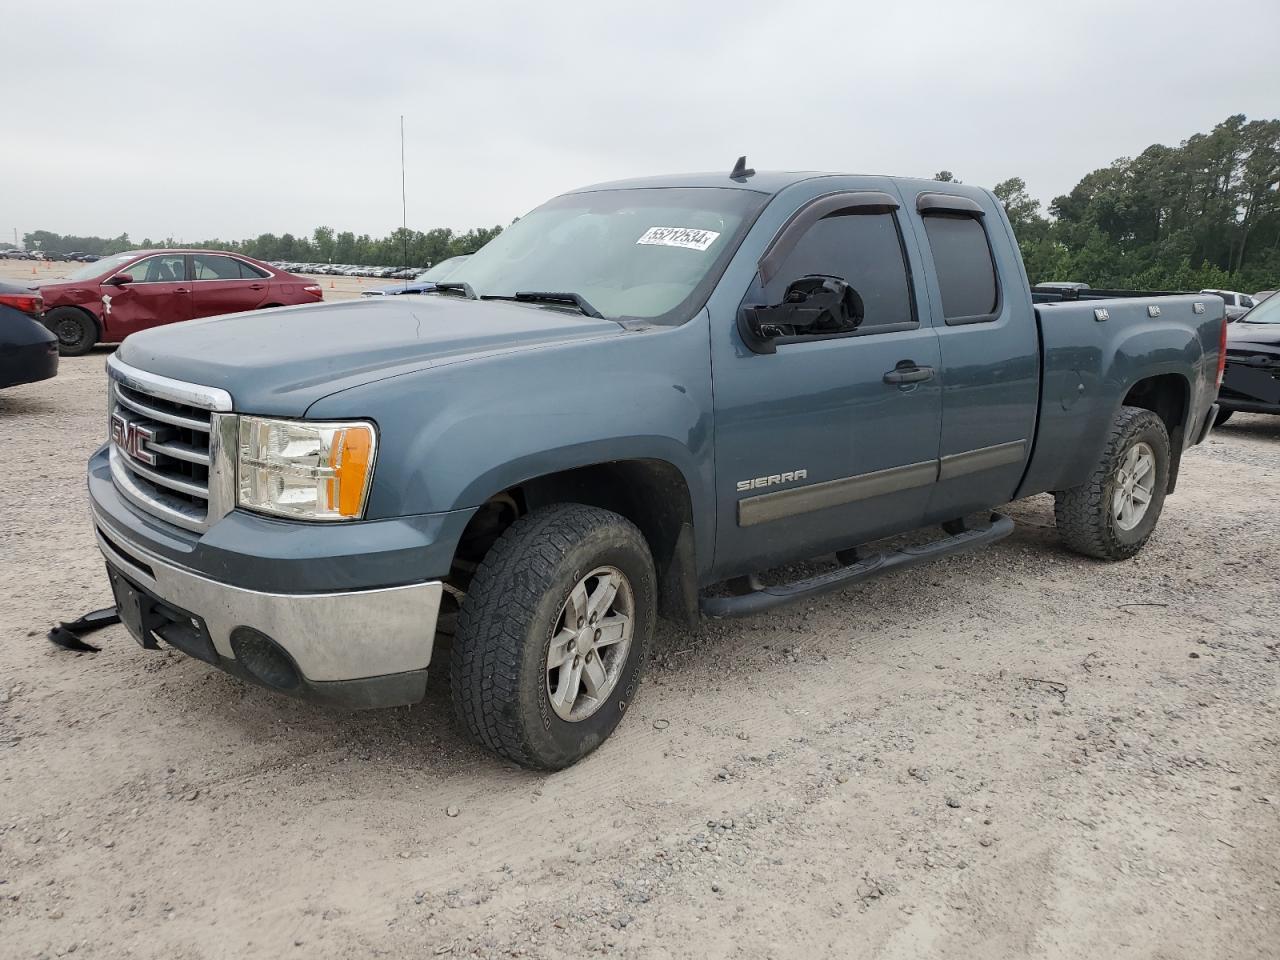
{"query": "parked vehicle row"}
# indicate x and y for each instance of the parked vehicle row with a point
(48, 256)
(423, 282)
(347, 270)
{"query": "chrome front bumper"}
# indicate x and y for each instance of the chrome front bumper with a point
(332, 637)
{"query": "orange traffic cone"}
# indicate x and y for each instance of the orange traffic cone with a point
(33, 271)
(330, 284)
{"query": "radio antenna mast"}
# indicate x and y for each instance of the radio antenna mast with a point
(404, 208)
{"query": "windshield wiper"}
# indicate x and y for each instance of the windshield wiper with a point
(541, 296)
(459, 286)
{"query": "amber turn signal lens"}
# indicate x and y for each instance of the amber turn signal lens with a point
(351, 468)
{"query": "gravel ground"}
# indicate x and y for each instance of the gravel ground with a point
(1010, 754)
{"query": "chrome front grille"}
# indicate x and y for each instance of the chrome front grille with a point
(171, 446)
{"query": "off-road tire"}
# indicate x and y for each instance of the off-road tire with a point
(1085, 519)
(498, 670)
(77, 332)
(1223, 416)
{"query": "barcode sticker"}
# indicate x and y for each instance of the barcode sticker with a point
(687, 237)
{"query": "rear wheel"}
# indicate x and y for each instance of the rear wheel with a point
(1223, 416)
(1112, 514)
(76, 331)
(553, 635)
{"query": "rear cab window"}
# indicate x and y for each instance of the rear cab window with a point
(962, 257)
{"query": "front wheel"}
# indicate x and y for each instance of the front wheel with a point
(76, 331)
(1112, 514)
(553, 635)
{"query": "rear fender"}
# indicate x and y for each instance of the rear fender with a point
(1091, 365)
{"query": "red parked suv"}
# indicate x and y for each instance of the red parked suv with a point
(104, 302)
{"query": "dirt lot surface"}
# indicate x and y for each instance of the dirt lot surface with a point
(1018, 753)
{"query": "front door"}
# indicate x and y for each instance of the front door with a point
(158, 293)
(831, 439)
(225, 285)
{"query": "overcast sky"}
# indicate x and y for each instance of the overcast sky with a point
(229, 119)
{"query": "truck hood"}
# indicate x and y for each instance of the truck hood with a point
(281, 361)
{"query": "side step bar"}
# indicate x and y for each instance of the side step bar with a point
(770, 597)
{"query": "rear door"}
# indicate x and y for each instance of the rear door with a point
(225, 285)
(989, 346)
(159, 293)
(822, 444)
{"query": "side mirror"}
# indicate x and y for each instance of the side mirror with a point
(120, 279)
(812, 305)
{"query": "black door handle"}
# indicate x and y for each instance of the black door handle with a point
(908, 372)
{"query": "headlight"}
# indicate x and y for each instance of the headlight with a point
(307, 471)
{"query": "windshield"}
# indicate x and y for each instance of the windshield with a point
(1268, 311)
(645, 253)
(441, 270)
(101, 267)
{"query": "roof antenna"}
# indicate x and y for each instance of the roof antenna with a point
(741, 171)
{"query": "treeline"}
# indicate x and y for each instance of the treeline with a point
(1205, 213)
(402, 247)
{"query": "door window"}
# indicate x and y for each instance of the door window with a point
(216, 267)
(965, 268)
(865, 251)
(168, 268)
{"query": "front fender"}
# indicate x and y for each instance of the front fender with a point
(453, 436)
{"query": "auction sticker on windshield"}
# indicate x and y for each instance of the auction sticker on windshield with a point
(686, 237)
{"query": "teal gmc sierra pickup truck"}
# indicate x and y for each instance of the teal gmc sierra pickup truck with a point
(633, 402)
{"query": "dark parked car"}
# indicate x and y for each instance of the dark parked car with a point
(1252, 379)
(424, 281)
(28, 352)
(107, 301)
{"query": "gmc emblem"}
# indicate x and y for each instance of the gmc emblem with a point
(132, 438)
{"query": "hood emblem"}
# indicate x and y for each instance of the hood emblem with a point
(132, 438)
